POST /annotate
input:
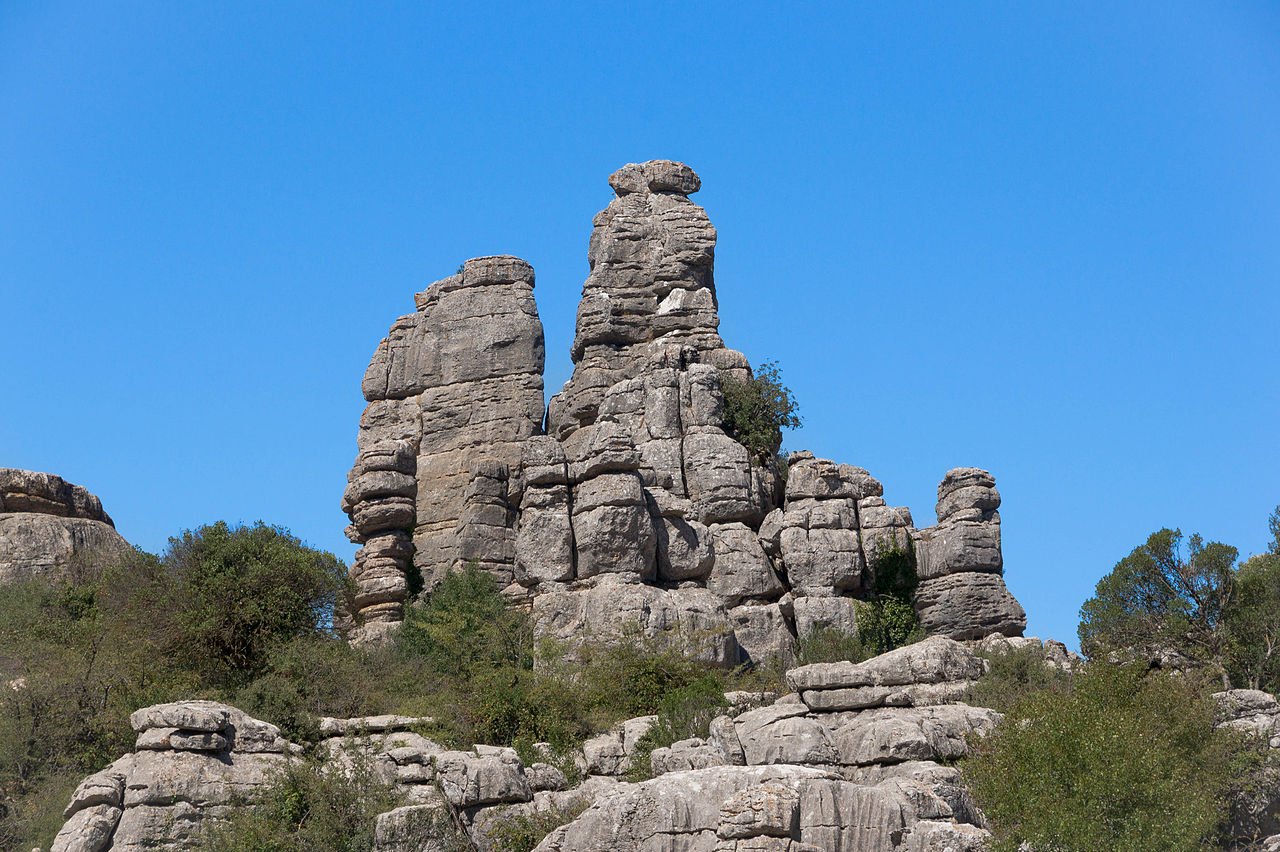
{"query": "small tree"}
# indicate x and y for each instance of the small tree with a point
(757, 410)
(1162, 597)
(243, 590)
(1253, 621)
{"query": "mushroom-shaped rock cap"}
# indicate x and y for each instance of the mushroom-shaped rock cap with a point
(655, 176)
(496, 269)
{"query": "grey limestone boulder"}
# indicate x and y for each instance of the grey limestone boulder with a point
(196, 761)
(468, 778)
(682, 808)
(962, 593)
(934, 671)
(611, 611)
(53, 529)
(763, 633)
(741, 570)
(895, 735)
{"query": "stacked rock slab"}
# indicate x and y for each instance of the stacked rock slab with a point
(650, 520)
(651, 279)
(51, 528)
(859, 757)
(962, 593)
(452, 392)
(194, 761)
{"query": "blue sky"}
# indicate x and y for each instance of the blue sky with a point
(1038, 238)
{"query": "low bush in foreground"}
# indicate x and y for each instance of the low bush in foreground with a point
(523, 832)
(1122, 759)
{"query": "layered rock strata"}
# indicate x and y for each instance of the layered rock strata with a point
(194, 762)
(962, 592)
(452, 392)
(633, 513)
(858, 758)
(53, 529)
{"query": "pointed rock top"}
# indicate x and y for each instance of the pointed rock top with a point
(655, 176)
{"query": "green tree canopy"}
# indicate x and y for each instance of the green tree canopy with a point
(1196, 600)
(1164, 596)
(242, 590)
(757, 410)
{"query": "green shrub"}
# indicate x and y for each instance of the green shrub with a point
(887, 620)
(830, 645)
(684, 712)
(310, 805)
(1013, 677)
(522, 832)
(465, 625)
(1122, 760)
(758, 409)
(241, 591)
(626, 680)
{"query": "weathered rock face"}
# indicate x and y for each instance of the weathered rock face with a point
(813, 774)
(962, 592)
(633, 512)
(651, 278)
(194, 762)
(51, 528)
(453, 391)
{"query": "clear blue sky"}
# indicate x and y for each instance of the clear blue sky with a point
(1038, 238)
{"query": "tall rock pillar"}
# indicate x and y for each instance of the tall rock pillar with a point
(453, 391)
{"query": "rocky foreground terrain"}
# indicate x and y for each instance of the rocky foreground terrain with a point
(859, 757)
(856, 758)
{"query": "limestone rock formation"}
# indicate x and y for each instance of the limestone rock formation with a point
(51, 528)
(194, 761)
(452, 392)
(808, 773)
(962, 592)
(631, 511)
(810, 770)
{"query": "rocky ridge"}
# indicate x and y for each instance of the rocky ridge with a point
(53, 529)
(626, 507)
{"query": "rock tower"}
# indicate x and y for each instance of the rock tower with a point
(628, 508)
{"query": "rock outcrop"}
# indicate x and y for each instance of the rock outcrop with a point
(962, 592)
(631, 511)
(453, 391)
(51, 528)
(194, 761)
(859, 757)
